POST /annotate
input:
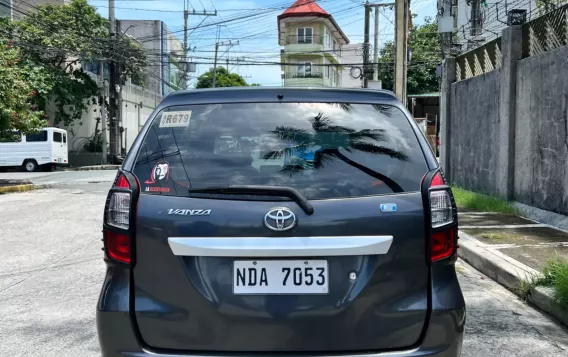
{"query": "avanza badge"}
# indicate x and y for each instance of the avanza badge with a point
(175, 119)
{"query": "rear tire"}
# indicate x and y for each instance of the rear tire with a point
(30, 165)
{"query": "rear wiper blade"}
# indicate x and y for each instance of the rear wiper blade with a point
(281, 191)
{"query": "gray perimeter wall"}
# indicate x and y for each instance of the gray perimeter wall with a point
(536, 156)
(474, 128)
(541, 141)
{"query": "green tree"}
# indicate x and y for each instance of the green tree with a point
(424, 44)
(59, 38)
(21, 84)
(224, 79)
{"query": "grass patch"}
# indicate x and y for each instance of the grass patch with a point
(555, 275)
(493, 236)
(481, 202)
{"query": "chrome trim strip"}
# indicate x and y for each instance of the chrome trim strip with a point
(280, 246)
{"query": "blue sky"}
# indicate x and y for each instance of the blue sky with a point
(258, 35)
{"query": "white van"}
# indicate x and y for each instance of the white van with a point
(44, 149)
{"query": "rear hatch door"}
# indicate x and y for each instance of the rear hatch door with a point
(250, 271)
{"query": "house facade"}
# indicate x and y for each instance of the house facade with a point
(312, 42)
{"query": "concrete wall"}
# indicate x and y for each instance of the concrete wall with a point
(351, 54)
(148, 31)
(474, 130)
(505, 133)
(137, 105)
(541, 145)
(21, 8)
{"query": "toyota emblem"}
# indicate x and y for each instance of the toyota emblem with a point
(280, 219)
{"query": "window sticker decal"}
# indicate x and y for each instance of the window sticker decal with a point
(175, 119)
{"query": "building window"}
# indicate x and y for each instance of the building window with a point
(328, 39)
(326, 71)
(303, 69)
(304, 34)
(333, 77)
(334, 46)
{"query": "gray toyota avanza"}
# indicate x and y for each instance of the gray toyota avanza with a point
(280, 221)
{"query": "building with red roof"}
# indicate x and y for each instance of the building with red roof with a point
(312, 43)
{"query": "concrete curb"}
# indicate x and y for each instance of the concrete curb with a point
(92, 168)
(16, 188)
(509, 273)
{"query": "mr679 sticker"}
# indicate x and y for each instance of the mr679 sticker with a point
(175, 119)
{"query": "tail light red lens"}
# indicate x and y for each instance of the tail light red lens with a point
(442, 215)
(118, 246)
(443, 244)
(121, 182)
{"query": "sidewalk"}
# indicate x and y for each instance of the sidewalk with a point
(513, 251)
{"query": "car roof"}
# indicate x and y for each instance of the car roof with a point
(278, 94)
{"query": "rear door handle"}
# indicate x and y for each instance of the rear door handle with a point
(280, 246)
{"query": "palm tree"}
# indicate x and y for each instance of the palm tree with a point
(329, 146)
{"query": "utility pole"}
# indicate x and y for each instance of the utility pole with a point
(476, 18)
(376, 41)
(103, 114)
(186, 14)
(401, 52)
(228, 70)
(113, 83)
(217, 44)
(366, 46)
(376, 46)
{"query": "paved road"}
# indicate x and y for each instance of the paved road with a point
(63, 179)
(51, 271)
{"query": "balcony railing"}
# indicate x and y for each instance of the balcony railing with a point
(313, 74)
(304, 40)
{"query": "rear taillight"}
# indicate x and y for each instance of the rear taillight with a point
(118, 246)
(441, 210)
(119, 210)
(117, 232)
(442, 214)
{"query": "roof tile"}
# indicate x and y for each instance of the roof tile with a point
(305, 7)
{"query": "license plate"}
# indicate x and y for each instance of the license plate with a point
(59, 159)
(274, 277)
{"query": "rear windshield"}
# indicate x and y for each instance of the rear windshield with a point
(323, 150)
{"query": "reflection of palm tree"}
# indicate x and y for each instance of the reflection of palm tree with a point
(328, 139)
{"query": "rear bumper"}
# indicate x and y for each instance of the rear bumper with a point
(117, 339)
(443, 338)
